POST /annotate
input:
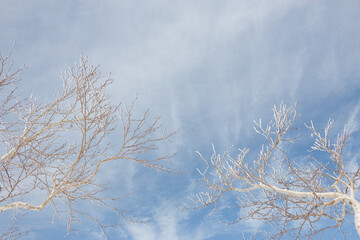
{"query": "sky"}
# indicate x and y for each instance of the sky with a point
(207, 68)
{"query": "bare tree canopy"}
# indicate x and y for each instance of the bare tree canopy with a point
(291, 196)
(56, 149)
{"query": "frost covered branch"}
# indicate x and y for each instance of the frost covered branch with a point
(57, 149)
(291, 195)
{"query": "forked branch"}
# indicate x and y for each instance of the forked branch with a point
(290, 195)
(57, 149)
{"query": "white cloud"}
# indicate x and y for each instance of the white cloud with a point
(164, 224)
(206, 68)
(143, 231)
(352, 121)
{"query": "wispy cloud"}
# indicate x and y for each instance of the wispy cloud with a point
(353, 120)
(208, 69)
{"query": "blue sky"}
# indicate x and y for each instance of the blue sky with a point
(208, 68)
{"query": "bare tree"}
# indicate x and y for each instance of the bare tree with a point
(56, 150)
(275, 188)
